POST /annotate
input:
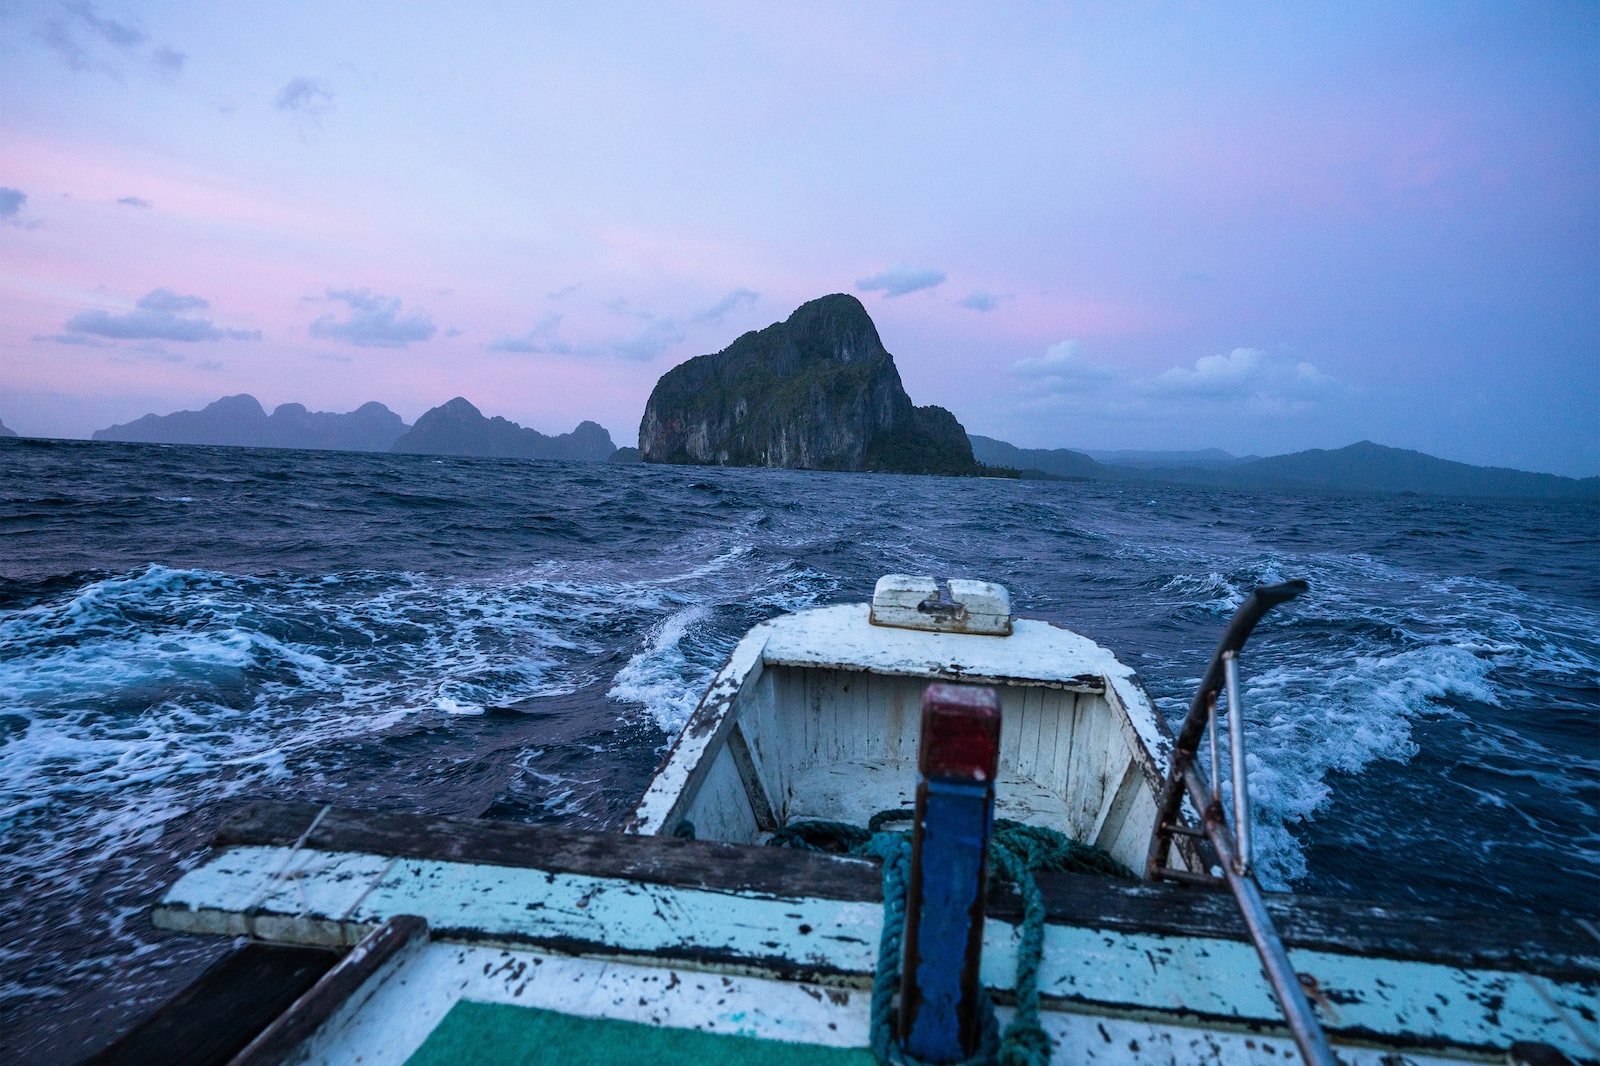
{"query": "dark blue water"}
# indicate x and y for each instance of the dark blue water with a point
(185, 627)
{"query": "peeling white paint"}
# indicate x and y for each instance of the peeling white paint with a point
(389, 1026)
(1085, 970)
(399, 1015)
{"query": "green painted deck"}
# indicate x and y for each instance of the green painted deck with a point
(493, 1034)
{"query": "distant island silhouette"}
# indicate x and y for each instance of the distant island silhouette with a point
(458, 428)
(696, 416)
(452, 428)
(1360, 467)
(817, 391)
(240, 420)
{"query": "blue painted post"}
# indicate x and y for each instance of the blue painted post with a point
(939, 989)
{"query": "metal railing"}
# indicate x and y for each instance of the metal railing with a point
(1185, 777)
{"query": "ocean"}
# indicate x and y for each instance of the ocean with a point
(186, 628)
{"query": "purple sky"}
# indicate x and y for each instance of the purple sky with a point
(1263, 227)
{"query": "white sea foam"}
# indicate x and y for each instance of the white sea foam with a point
(1316, 709)
(661, 677)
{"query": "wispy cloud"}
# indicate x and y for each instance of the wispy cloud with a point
(735, 299)
(167, 300)
(374, 321)
(899, 279)
(134, 201)
(979, 300)
(158, 315)
(81, 339)
(11, 201)
(307, 96)
(655, 338)
(1243, 381)
(84, 40)
(540, 339)
(169, 59)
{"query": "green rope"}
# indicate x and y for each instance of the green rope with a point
(1016, 853)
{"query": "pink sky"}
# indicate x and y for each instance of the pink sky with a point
(1401, 198)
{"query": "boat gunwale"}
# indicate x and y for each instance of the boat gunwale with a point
(1459, 937)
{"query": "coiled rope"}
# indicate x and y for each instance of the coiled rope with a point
(1016, 853)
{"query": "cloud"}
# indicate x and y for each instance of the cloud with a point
(134, 201)
(118, 34)
(74, 338)
(1243, 381)
(1263, 381)
(541, 338)
(1062, 368)
(11, 201)
(900, 279)
(374, 321)
(735, 299)
(563, 293)
(981, 301)
(167, 300)
(307, 96)
(148, 353)
(656, 337)
(158, 316)
(84, 39)
(169, 59)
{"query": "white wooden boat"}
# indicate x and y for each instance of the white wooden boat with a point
(465, 940)
(816, 716)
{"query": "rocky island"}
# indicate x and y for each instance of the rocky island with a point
(242, 421)
(459, 428)
(817, 391)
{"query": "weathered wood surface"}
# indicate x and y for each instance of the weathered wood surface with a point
(301, 895)
(1556, 947)
(648, 859)
(410, 1003)
(212, 1020)
(333, 991)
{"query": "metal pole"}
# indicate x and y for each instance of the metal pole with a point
(1303, 1023)
(1241, 784)
(1216, 769)
(1261, 600)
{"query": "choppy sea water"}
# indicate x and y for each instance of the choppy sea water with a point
(184, 628)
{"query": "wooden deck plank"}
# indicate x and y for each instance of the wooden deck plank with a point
(1552, 945)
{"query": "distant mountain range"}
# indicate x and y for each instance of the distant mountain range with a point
(1208, 458)
(1362, 467)
(240, 420)
(454, 428)
(458, 428)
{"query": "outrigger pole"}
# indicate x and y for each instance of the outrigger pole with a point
(1184, 776)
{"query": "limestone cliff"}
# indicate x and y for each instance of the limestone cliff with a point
(815, 392)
